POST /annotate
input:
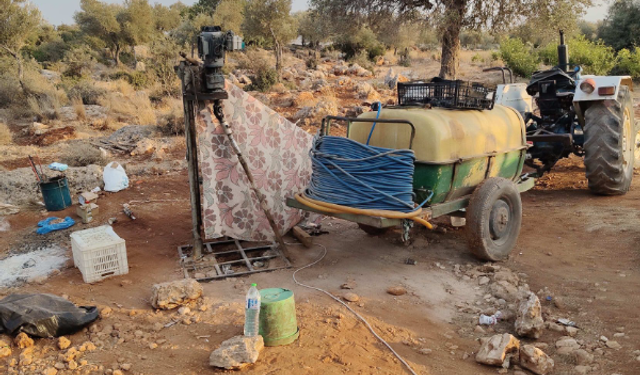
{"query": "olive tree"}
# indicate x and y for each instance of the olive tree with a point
(621, 28)
(271, 20)
(18, 21)
(450, 16)
(117, 25)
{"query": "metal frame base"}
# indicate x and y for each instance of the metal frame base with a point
(210, 261)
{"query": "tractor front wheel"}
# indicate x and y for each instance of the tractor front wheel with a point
(494, 217)
(610, 144)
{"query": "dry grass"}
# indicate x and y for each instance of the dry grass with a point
(78, 108)
(121, 86)
(5, 134)
(134, 108)
(171, 116)
(83, 154)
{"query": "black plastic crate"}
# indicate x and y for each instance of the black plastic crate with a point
(446, 94)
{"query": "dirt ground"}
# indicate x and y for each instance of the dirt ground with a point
(578, 248)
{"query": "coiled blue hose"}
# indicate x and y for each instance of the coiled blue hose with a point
(349, 173)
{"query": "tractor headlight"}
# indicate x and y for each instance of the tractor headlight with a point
(588, 86)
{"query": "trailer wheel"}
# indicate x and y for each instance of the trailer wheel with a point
(494, 217)
(610, 144)
(372, 231)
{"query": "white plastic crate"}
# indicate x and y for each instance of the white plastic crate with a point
(99, 253)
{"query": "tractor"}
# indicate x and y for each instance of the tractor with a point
(585, 115)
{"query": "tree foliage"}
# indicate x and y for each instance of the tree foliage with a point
(229, 15)
(18, 21)
(117, 25)
(621, 28)
(272, 21)
(450, 16)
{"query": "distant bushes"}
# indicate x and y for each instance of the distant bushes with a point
(87, 92)
(520, 57)
(594, 57)
(628, 62)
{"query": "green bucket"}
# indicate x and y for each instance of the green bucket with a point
(278, 324)
(55, 193)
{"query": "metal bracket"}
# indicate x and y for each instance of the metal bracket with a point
(406, 229)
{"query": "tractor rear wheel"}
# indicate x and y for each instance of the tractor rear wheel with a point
(610, 144)
(494, 217)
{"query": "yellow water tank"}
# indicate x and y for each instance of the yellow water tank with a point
(446, 135)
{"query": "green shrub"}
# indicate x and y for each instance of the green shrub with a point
(83, 154)
(594, 57)
(87, 92)
(364, 40)
(265, 77)
(518, 56)
(629, 62)
(138, 80)
(477, 58)
(495, 55)
(376, 51)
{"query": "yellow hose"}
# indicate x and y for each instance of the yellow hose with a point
(336, 208)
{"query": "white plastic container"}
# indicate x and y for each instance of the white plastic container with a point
(99, 253)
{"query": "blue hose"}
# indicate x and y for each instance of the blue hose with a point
(373, 127)
(351, 174)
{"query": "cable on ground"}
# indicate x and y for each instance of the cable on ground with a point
(363, 320)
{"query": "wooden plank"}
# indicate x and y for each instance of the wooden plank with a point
(303, 236)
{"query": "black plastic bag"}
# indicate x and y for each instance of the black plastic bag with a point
(43, 315)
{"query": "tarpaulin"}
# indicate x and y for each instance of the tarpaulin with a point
(278, 155)
(43, 315)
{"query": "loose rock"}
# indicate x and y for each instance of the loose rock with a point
(529, 320)
(351, 297)
(170, 295)
(63, 343)
(496, 350)
(582, 357)
(535, 360)
(397, 290)
(23, 341)
(237, 352)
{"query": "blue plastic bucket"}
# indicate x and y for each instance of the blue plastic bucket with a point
(56, 194)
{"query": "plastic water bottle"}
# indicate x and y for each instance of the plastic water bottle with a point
(252, 312)
(490, 320)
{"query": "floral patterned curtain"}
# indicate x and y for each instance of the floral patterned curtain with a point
(277, 152)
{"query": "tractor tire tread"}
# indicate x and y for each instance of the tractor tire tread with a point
(605, 170)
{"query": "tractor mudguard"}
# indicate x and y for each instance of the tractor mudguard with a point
(582, 100)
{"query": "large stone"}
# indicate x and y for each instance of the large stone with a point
(173, 294)
(504, 290)
(535, 360)
(237, 352)
(5, 351)
(529, 320)
(567, 342)
(582, 357)
(366, 91)
(497, 350)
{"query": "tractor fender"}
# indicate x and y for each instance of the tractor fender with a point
(582, 100)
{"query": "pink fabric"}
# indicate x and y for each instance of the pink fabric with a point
(277, 152)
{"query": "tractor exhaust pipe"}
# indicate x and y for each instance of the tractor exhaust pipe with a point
(563, 54)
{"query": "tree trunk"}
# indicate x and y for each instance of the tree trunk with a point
(278, 51)
(117, 54)
(20, 67)
(454, 17)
